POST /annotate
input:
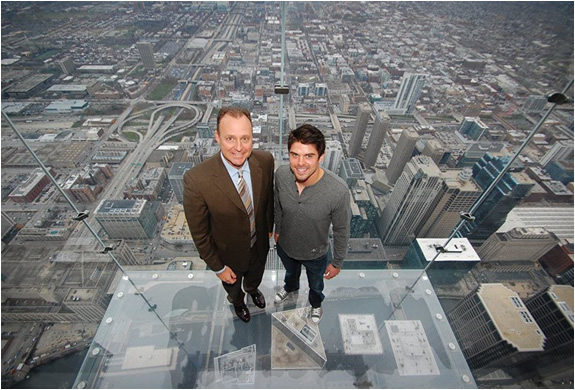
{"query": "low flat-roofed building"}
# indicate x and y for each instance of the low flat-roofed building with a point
(43, 234)
(76, 91)
(109, 156)
(176, 230)
(65, 106)
(97, 68)
(68, 155)
(30, 86)
(29, 190)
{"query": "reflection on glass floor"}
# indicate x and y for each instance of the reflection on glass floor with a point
(178, 330)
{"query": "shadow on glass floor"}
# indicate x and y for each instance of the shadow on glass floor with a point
(179, 331)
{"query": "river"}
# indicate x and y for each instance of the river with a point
(57, 374)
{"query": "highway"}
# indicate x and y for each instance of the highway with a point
(159, 131)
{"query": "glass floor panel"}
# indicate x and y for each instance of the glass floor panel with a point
(177, 330)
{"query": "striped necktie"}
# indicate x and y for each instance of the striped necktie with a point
(247, 200)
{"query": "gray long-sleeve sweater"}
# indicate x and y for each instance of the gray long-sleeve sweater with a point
(303, 221)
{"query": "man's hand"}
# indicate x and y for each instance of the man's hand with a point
(276, 237)
(331, 272)
(227, 276)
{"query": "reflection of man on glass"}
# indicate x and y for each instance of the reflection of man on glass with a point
(308, 199)
(228, 202)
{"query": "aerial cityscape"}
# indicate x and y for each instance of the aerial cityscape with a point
(447, 120)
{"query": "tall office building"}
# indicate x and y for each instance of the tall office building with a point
(552, 309)
(89, 304)
(67, 65)
(473, 128)
(495, 329)
(562, 171)
(458, 193)
(519, 245)
(333, 156)
(450, 266)
(350, 171)
(562, 150)
(508, 193)
(146, 50)
(303, 89)
(401, 154)
(380, 128)
(435, 150)
(409, 91)
(361, 120)
(364, 209)
(129, 219)
(176, 178)
(412, 200)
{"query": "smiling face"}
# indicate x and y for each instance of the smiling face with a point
(235, 138)
(305, 163)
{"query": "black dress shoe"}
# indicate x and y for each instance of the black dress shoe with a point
(242, 312)
(259, 299)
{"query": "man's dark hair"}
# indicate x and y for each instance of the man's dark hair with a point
(235, 112)
(308, 135)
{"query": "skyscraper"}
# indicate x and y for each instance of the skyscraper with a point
(333, 156)
(494, 328)
(472, 128)
(129, 219)
(363, 115)
(458, 193)
(364, 209)
(434, 149)
(176, 178)
(508, 193)
(450, 266)
(146, 50)
(411, 202)
(409, 91)
(402, 154)
(552, 309)
(562, 150)
(380, 128)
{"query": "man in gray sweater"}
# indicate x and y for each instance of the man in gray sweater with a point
(308, 199)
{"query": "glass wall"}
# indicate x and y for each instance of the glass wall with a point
(451, 123)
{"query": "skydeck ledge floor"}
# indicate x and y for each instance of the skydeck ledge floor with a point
(177, 330)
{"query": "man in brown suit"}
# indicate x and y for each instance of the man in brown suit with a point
(230, 221)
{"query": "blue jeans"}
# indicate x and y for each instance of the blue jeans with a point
(314, 270)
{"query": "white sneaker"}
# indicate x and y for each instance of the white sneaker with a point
(281, 295)
(316, 313)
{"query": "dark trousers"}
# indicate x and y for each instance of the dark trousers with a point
(250, 279)
(314, 270)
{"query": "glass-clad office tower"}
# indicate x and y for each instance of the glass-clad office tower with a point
(459, 266)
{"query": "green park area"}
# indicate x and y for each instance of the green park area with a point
(133, 137)
(162, 90)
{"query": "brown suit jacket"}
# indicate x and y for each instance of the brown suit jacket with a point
(217, 218)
